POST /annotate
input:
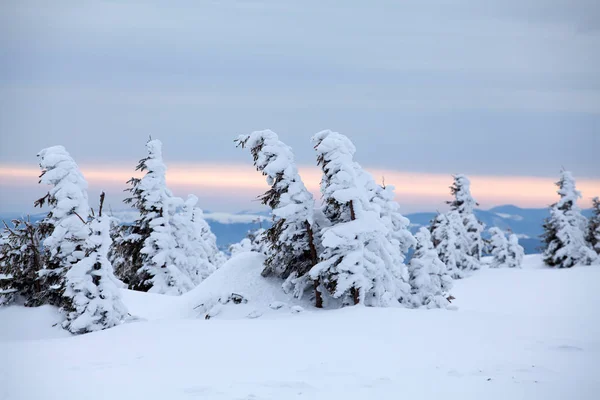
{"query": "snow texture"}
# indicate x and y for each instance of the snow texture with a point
(538, 342)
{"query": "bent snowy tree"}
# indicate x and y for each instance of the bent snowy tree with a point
(355, 265)
(292, 248)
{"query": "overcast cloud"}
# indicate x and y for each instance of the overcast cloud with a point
(480, 87)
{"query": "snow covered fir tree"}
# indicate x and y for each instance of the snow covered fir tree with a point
(68, 269)
(593, 232)
(21, 258)
(464, 205)
(506, 252)
(292, 245)
(429, 279)
(565, 229)
(91, 284)
(456, 234)
(356, 264)
(168, 248)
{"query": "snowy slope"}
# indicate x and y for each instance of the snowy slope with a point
(517, 334)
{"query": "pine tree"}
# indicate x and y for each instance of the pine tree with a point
(65, 224)
(464, 204)
(21, 259)
(190, 254)
(498, 247)
(93, 290)
(564, 230)
(593, 233)
(208, 239)
(355, 265)
(515, 252)
(429, 278)
(449, 237)
(292, 250)
(144, 253)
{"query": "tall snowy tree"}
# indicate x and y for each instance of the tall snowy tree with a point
(292, 250)
(564, 230)
(498, 247)
(464, 204)
(593, 233)
(21, 258)
(515, 252)
(355, 265)
(144, 254)
(93, 290)
(449, 237)
(65, 224)
(429, 279)
(208, 239)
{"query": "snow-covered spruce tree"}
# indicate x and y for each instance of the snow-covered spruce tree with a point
(354, 265)
(399, 237)
(449, 237)
(95, 300)
(564, 230)
(144, 253)
(190, 254)
(65, 224)
(429, 278)
(254, 241)
(292, 250)
(515, 252)
(21, 259)
(498, 248)
(593, 233)
(464, 204)
(208, 239)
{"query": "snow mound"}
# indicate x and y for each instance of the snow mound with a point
(31, 323)
(237, 290)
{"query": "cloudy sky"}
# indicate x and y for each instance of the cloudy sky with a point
(507, 92)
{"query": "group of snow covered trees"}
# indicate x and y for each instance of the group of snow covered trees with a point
(352, 249)
(71, 257)
(568, 237)
(349, 250)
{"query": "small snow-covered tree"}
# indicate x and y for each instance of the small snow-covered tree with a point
(464, 204)
(355, 265)
(190, 254)
(208, 239)
(593, 233)
(95, 300)
(429, 279)
(65, 224)
(144, 254)
(564, 230)
(449, 236)
(254, 241)
(515, 252)
(498, 248)
(292, 250)
(21, 259)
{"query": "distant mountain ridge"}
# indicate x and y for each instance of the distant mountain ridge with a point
(233, 227)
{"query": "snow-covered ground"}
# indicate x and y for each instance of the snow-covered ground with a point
(515, 334)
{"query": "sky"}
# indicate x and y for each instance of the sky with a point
(507, 92)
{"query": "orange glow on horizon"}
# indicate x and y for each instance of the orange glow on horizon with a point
(237, 179)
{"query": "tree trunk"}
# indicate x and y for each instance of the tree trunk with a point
(355, 295)
(314, 259)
